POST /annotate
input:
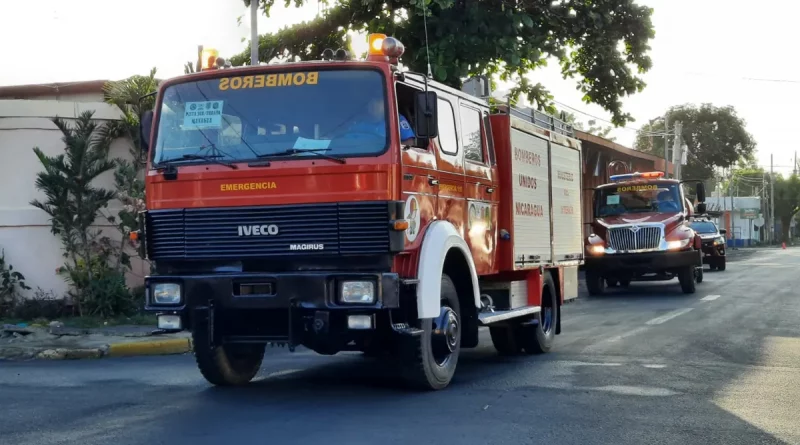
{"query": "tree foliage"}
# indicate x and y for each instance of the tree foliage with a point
(787, 202)
(73, 203)
(590, 127)
(715, 136)
(133, 96)
(603, 44)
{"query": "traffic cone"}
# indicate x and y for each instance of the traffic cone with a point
(783, 245)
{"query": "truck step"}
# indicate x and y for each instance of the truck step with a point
(406, 330)
(487, 318)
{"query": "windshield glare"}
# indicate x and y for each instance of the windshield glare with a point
(637, 198)
(338, 113)
(704, 227)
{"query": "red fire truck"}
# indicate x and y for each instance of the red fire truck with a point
(641, 231)
(345, 205)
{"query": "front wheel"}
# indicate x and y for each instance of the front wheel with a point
(686, 277)
(595, 283)
(721, 264)
(431, 362)
(699, 274)
(227, 365)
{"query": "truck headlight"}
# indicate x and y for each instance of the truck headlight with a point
(678, 244)
(166, 293)
(596, 249)
(357, 292)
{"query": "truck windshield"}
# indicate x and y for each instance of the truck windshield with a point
(637, 198)
(335, 113)
(704, 227)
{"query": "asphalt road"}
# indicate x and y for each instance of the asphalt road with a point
(647, 365)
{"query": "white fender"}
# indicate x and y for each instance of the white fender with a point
(440, 237)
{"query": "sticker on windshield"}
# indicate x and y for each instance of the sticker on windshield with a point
(311, 144)
(612, 200)
(203, 115)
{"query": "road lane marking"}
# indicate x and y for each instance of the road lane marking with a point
(710, 297)
(669, 316)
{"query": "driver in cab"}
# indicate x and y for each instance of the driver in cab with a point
(375, 123)
(666, 202)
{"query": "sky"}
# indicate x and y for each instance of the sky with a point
(705, 51)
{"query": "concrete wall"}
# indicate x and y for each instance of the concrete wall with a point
(738, 228)
(25, 230)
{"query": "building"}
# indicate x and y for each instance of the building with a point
(25, 122)
(603, 158)
(744, 225)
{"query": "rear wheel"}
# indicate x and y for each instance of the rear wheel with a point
(699, 274)
(227, 365)
(686, 276)
(595, 283)
(432, 359)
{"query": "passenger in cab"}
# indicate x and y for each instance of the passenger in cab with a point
(375, 123)
(666, 202)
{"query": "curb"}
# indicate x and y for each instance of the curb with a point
(156, 347)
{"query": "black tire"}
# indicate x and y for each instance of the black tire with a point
(228, 365)
(624, 283)
(712, 265)
(686, 276)
(539, 338)
(505, 340)
(595, 283)
(721, 264)
(699, 274)
(425, 366)
(611, 283)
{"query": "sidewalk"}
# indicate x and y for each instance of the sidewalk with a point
(60, 343)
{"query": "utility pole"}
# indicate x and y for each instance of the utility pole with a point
(666, 145)
(733, 224)
(795, 162)
(677, 154)
(772, 202)
(254, 32)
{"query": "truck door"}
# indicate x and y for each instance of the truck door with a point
(419, 174)
(479, 188)
(451, 203)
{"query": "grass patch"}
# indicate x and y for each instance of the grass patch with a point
(91, 322)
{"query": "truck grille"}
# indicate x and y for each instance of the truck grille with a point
(313, 229)
(634, 238)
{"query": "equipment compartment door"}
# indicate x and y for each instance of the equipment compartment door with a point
(531, 197)
(565, 166)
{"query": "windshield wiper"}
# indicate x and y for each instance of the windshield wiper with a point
(294, 151)
(208, 158)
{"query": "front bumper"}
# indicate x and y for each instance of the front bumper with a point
(710, 250)
(306, 290)
(646, 262)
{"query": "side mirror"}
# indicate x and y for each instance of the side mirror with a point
(723, 231)
(701, 192)
(145, 129)
(426, 122)
(701, 208)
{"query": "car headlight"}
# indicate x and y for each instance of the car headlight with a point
(720, 240)
(166, 293)
(678, 244)
(357, 292)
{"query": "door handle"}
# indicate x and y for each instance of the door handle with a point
(489, 189)
(433, 181)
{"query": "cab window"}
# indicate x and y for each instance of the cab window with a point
(471, 132)
(448, 142)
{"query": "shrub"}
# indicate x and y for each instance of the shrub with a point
(11, 283)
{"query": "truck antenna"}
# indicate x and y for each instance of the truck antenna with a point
(427, 50)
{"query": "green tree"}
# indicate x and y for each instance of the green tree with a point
(593, 128)
(787, 202)
(602, 44)
(133, 96)
(715, 136)
(73, 203)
